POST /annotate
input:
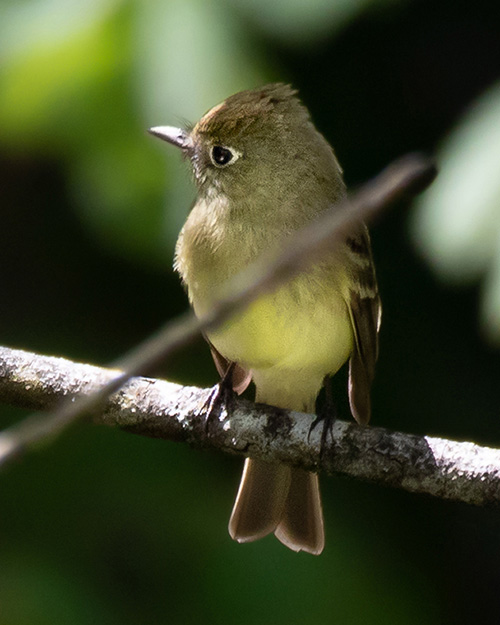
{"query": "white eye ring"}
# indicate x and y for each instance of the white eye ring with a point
(222, 156)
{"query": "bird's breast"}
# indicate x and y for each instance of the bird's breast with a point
(304, 324)
(214, 246)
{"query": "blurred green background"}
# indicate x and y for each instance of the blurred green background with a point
(107, 527)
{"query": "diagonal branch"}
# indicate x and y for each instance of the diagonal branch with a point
(399, 181)
(443, 468)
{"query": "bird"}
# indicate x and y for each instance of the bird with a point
(262, 172)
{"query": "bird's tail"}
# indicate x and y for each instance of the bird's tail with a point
(280, 499)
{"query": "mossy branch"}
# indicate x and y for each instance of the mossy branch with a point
(156, 408)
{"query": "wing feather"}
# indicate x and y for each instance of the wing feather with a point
(365, 310)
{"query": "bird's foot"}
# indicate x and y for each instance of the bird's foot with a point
(219, 404)
(327, 415)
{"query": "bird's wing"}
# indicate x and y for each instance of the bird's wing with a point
(365, 310)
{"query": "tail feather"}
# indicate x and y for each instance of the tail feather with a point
(301, 527)
(260, 501)
(276, 498)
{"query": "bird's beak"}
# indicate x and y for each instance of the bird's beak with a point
(175, 136)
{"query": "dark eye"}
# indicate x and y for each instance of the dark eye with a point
(221, 156)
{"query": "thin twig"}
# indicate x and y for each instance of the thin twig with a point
(401, 180)
(443, 468)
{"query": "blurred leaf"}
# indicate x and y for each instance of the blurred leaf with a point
(67, 97)
(456, 224)
(491, 295)
(299, 22)
(192, 54)
(44, 85)
(29, 25)
(83, 82)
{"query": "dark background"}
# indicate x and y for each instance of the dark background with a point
(103, 526)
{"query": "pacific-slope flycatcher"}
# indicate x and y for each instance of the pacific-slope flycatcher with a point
(263, 171)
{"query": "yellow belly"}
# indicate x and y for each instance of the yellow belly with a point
(302, 329)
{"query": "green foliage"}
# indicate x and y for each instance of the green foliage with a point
(296, 22)
(457, 221)
(82, 82)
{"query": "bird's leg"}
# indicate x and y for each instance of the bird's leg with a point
(221, 397)
(327, 415)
